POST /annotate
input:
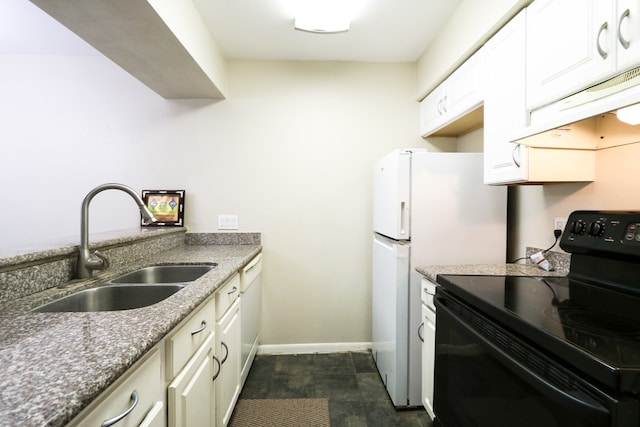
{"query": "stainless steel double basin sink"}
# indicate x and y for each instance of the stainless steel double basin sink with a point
(140, 288)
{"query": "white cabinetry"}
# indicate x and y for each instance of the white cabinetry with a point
(138, 399)
(193, 366)
(192, 392)
(556, 159)
(504, 102)
(428, 345)
(228, 346)
(454, 98)
(573, 44)
(251, 304)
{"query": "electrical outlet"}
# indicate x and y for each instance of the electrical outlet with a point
(227, 222)
(559, 223)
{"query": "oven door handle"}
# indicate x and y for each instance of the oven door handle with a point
(583, 404)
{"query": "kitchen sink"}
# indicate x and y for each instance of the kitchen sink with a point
(111, 298)
(177, 273)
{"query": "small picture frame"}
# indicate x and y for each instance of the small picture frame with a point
(166, 205)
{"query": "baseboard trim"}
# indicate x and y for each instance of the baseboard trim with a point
(313, 348)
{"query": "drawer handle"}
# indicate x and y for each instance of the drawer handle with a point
(134, 402)
(233, 290)
(200, 329)
(226, 352)
(215, 359)
(419, 331)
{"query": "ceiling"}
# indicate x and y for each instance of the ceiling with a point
(382, 31)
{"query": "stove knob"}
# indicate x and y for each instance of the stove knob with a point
(577, 227)
(596, 229)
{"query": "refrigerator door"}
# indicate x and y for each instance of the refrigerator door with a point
(390, 315)
(457, 219)
(392, 195)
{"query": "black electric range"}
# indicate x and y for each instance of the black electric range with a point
(596, 329)
(591, 317)
(564, 348)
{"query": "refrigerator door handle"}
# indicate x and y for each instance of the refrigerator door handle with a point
(404, 218)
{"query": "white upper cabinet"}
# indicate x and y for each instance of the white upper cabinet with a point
(504, 103)
(558, 158)
(628, 34)
(460, 94)
(573, 44)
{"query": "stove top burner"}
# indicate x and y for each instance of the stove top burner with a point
(594, 322)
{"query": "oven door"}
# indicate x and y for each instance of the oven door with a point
(486, 377)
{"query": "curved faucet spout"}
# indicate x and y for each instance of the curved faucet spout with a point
(87, 262)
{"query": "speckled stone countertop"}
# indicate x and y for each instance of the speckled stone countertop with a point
(55, 364)
(559, 260)
(432, 271)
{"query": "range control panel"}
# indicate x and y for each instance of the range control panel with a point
(602, 232)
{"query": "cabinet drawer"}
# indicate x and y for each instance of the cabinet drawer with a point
(250, 272)
(226, 295)
(146, 380)
(188, 337)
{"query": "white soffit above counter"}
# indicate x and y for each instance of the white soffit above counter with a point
(176, 57)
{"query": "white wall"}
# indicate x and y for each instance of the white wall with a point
(616, 187)
(290, 152)
(70, 123)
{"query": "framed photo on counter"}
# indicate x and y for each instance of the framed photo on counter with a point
(166, 205)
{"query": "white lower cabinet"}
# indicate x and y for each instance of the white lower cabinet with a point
(192, 368)
(228, 347)
(192, 378)
(192, 393)
(428, 344)
(137, 399)
(428, 358)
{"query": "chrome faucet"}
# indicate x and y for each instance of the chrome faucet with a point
(87, 262)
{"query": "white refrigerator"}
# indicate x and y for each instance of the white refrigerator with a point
(428, 209)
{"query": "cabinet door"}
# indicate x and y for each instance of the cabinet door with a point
(461, 93)
(192, 392)
(464, 89)
(504, 103)
(628, 34)
(155, 417)
(428, 358)
(431, 112)
(228, 347)
(570, 44)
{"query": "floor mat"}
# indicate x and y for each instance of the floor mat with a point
(281, 413)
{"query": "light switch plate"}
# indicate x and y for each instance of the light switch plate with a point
(227, 222)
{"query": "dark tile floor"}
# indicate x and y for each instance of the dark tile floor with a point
(350, 381)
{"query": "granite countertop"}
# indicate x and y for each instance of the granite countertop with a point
(432, 271)
(55, 364)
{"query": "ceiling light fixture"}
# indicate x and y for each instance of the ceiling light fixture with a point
(630, 114)
(323, 16)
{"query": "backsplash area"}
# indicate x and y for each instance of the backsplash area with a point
(31, 273)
